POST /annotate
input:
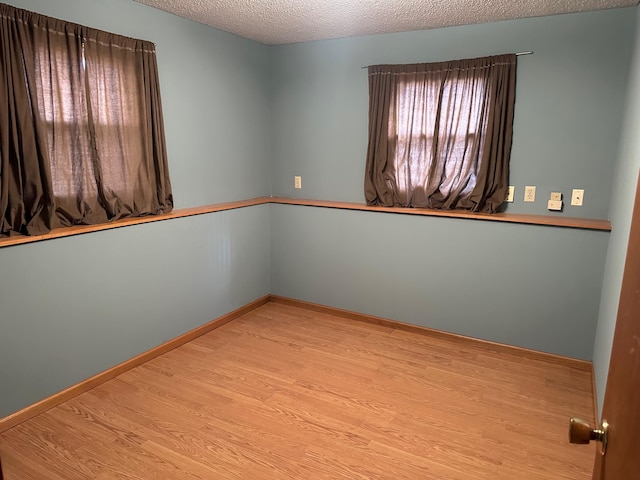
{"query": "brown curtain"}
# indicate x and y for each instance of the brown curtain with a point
(440, 134)
(81, 128)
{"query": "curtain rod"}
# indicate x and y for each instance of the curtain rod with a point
(517, 55)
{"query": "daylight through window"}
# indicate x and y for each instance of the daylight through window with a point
(90, 142)
(440, 134)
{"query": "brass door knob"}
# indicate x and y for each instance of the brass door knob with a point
(580, 432)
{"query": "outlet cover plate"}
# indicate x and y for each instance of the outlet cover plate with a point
(510, 193)
(556, 196)
(529, 193)
(577, 197)
(555, 205)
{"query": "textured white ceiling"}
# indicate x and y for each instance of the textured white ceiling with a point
(291, 21)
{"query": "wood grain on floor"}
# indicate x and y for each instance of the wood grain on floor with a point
(288, 393)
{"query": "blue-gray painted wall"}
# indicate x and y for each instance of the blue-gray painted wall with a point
(524, 285)
(72, 307)
(568, 114)
(242, 119)
(622, 200)
(215, 97)
(531, 286)
(76, 306)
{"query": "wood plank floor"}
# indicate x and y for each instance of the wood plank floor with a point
(286, 393)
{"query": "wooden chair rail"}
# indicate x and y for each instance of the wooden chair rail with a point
(543, 220)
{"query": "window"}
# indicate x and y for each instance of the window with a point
(86, 140)
(440, 134)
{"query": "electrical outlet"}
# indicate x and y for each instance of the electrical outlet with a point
(529, 193)
(510, 192)
(297, 181)
(577, 197)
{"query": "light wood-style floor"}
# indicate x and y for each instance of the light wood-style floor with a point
(284, 392)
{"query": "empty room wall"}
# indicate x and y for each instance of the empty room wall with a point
(72, 307)
(241, 117)
(526, 285)
(622, 200)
